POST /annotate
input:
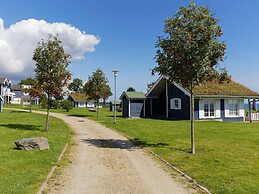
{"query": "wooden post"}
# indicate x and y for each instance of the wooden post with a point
(249, 111)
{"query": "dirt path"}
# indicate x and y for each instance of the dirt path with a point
(103, 161)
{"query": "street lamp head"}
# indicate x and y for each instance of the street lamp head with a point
(115, 72)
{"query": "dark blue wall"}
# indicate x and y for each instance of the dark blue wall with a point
(125, 107)
(148, 107)
(184, 112)
(196, 109)
(159, 105)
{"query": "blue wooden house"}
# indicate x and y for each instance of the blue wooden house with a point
(133, 104)
(213, 101)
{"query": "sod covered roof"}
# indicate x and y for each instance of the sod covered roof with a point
(134, 95)
(231, 88)
(79, 97)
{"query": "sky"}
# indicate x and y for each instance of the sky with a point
(119, 35)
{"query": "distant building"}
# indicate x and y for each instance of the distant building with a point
(81, 100)
(5, 90)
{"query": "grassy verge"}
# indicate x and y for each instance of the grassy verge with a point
(227, 159)
(24, 171)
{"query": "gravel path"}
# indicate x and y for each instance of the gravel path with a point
(103, 161)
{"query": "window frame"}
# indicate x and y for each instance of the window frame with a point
(173, 102)
(209, 113)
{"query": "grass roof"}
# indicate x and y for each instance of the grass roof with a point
(135, 95)
(227, 88)
(79, 97)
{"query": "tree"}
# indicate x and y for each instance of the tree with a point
(191, 51)
(76, 85)
(66, 104)
(51, 72)
(106, 93)
(97, 87)
(131, 89)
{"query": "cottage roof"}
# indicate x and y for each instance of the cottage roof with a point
(231, 88)
(134, 95)
(208, 89)
(79, 97)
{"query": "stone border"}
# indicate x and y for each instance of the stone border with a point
(45, 183)
(179, 171)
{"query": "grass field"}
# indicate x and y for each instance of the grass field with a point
(227, 158)
(25, 171)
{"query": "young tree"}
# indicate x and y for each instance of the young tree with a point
(51, 72)
(190, 52)
(97, 86)
(76, 85)
(106, 93)
(131, 89)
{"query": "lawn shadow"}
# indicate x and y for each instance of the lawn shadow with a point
(23, 127)
(142, 143)
(17, 111)
(111, 143)
(120, 116)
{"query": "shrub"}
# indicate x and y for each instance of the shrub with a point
(66, 104)
(55, 104)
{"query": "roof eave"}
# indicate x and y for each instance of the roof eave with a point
(224, 96)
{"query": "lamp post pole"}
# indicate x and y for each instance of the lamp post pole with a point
(115, 73)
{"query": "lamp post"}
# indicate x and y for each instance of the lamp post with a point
(115, 73)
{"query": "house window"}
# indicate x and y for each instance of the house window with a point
(209, 108)
(175, 103)
(233, 107)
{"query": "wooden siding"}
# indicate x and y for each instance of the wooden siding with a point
(184, 112)
(159, 105)
(125, 107)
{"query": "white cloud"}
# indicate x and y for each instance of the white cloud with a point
(18, 42)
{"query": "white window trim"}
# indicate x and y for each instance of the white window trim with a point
(172, 104)
(217, 109)
(240, 111)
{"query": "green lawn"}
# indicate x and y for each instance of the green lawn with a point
(227, 159)
(25, 171)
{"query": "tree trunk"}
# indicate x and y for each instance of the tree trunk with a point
(97, 109)
(30, 104)
(192, 124)
(47, 119)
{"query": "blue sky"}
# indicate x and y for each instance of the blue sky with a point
(128, 31)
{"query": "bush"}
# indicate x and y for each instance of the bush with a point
(67, 105)
(55, 104)
(44, 103)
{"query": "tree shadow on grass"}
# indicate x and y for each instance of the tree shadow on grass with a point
(22, 127)
(22, 111)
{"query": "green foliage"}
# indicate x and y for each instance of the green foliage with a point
(190, 52)
(44, 103)
(51, 72)
(76, 85)
(97, 86)
(27, 81)
(67, 105)
(25, 171)
(55, 104)
(51, 66)
(131, 89)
